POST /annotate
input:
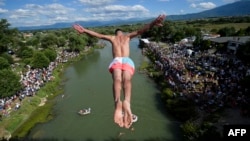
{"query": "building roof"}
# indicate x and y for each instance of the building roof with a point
(145, 41)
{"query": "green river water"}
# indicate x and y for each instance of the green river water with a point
(89, 84)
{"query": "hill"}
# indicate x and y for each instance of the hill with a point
(222, 11)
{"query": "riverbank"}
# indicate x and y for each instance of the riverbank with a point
(82, 91)
(200, 80)
(36, 108)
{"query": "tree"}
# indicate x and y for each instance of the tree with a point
(167, 93)
(33, 41)
(205, 44)
(91, 41)
(178, 36)
(76, 43)
(247, 31)
(190, 130)
(9, 83)
(189, 31)
(8, 58)
(198, 40)
(4, 63)
(39, 60)
(61, 41)
(182, 109)
(227, 31)
(4, 41)
(214, 30)
(50, 54)
(241, 32)
(49, 40)
(7, 36)
(167, 29)
(24, 52)
(243, 52)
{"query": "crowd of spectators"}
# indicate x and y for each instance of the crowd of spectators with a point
(32, 80)
(211, 79)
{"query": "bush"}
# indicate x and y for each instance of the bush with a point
(9, 83)
(50, 53)
(24, 52)
(167, 93)
(8, 57)
(209, 133)
(27, 61)
(182, 109)
(39, 60)
(190, 130)
(4, 63)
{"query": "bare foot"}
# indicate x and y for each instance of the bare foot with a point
(128, 119)
(118, 117)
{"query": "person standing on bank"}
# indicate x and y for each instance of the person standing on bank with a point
(121, 68)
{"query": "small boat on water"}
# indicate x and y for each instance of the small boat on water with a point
(85, 111)
(135, 118)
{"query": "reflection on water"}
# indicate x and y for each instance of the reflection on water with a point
(89, 84)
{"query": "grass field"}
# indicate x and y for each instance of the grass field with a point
(209, 27)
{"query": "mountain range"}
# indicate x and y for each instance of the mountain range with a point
(240, 8)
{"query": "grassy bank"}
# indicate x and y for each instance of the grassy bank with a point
(36, 109)
(40, 113)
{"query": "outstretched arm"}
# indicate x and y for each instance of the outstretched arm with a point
(157, 22)
(81, 30)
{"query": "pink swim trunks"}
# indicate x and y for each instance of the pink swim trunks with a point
(122, 63)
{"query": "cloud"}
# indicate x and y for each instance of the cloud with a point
(203, 5)
(117, 8)
(54, 9)
(103, 10)
(3, 11)
(36, 14)
(33, 14)
(207, 5)
(119, 11)
(95, 2)
(22, 13)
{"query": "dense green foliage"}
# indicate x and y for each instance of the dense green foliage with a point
(9, 83)
(4, 63)
(8, 57)
(39, 60)
(6, 35)
(244, 52)
(50, 54)
(35, 48)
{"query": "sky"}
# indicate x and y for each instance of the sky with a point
(46, 12)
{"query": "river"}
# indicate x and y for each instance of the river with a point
(89, 84)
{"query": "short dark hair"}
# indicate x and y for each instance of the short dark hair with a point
(118, 29)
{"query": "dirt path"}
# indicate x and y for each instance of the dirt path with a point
(4, 134)
(43, 101)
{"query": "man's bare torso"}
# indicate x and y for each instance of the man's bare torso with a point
(120, 46)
